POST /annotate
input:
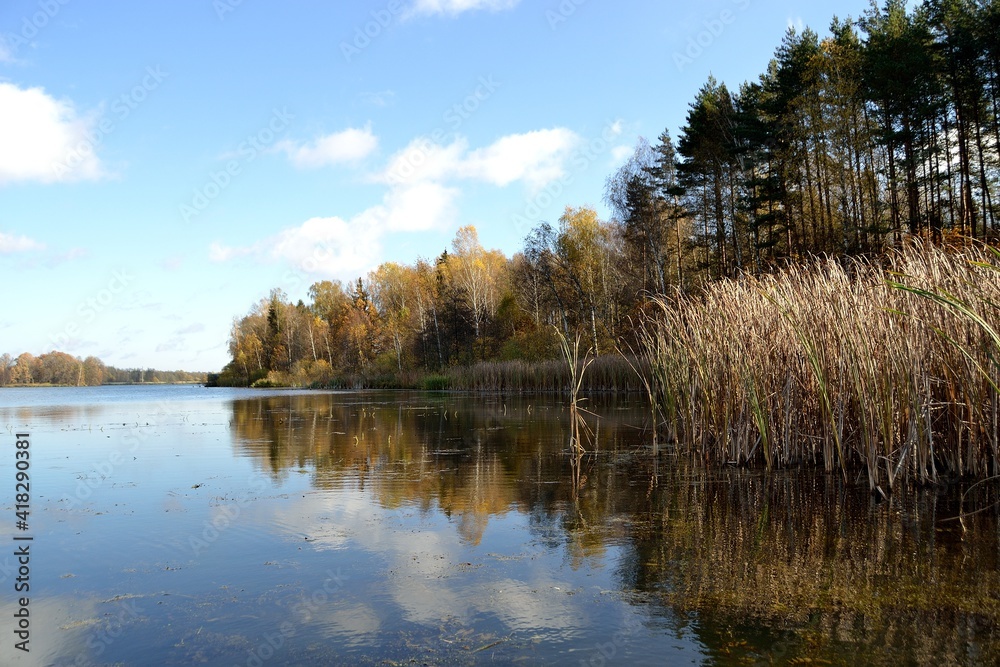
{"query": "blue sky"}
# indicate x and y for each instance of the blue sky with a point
(163, 165)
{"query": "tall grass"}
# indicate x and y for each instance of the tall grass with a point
(888, 368)
(606, 373)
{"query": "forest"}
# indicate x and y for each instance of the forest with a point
(59, 368)
(847, 146)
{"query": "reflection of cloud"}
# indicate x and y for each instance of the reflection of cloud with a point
(423, 576)
(539, 605)
(356, 622)
(67, 630)
(323, 521)
(418, 562)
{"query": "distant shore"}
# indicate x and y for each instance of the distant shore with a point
(106, 384)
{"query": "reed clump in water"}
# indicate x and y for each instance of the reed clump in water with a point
(848, 365)
(577, 370)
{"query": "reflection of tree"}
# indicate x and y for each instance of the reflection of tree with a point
(799, 560)
(469, 459)
(804, 554)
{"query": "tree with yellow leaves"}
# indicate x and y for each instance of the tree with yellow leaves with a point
(479, 274)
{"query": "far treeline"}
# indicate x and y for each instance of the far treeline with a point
(59, 368)
(887, 129)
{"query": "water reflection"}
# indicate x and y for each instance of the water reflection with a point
(795, 566)
(388, 528)
(469, 458)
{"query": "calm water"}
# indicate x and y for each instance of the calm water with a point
(184, 525)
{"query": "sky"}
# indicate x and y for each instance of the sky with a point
(165, 164)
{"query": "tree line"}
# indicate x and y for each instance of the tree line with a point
(886, 128)
(59, 368)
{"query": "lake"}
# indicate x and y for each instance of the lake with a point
(181, 525)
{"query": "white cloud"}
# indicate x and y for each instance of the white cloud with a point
(44, 139)
(350, 145)
(11, 244)
(220, 253)
(537, 158)
(332, 247)
(534, 157)
(420, 197)
(422, 207)
(456, 7)
(423, 160)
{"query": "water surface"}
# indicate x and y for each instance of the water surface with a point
(184, 525)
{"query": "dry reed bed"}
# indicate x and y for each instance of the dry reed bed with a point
(606, 373)
(838, 366)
